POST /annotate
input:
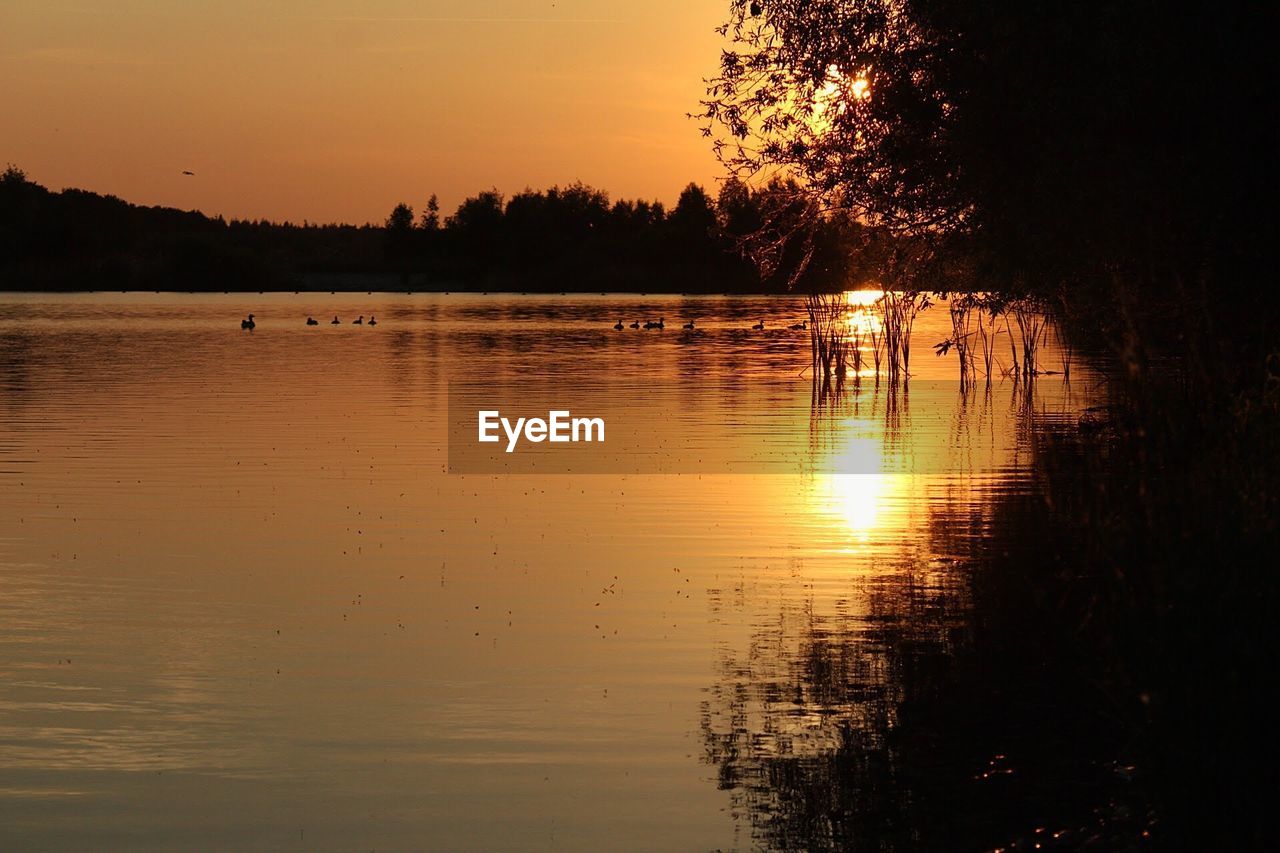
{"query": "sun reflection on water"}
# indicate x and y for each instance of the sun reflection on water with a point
(862, 316)
(857, 498)
(855, 490)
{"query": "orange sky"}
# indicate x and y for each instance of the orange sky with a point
(336, 110)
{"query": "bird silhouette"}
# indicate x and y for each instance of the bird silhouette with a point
(335, 321)
(359, 322)
(801, 326)
(248, 324)
(187, 172)
(759, 327)
(373, 321)
(689, 325)
(312, 321)
(618, 326)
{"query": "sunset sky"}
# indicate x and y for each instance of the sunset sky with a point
(335, 110)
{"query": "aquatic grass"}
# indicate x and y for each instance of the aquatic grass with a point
(987, 331)
(962, 310)
(877, 349)
(856, 343)
(828, 333)
(1032, 320)
(898, 313)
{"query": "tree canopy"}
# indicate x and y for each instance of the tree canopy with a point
(1066, 142)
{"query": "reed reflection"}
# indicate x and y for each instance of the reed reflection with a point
(860, 714)
(802, 723)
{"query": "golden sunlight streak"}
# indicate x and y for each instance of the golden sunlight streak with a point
(861, 317)
(855, 492)
(863, 298)
(856, 499)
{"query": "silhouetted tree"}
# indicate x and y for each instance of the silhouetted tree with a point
(694, 213)
(400, 242)
(401, 219)
(431, 215)
(476, 226)
(15, 192)
(12, 177)
(738, 210)
(1069, 145)
(694, 227)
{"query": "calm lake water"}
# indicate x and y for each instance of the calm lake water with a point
(243, 604)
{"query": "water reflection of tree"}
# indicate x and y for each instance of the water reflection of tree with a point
(946, 705)
(801, 725)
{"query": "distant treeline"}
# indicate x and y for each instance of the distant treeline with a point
(562, 239)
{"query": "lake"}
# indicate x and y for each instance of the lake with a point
(245, 604)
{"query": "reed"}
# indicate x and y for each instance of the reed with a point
(828, 333)
(962, 310)
(898, 312)
(856, 342)
(877, 349)
(1059, 323)
(1013, 349)
(987, 331)
(1033, 324)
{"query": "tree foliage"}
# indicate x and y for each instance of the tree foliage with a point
(1055, 143)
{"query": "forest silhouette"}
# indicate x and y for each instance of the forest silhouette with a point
(569, 238)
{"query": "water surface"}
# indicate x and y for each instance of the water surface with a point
(243, 604)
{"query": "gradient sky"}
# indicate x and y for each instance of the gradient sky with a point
(335, 110)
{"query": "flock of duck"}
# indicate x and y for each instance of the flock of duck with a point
(312, 321)
(660, 323)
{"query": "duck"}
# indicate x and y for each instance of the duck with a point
(689, 325)
(359, 322)
(758, 327)
(373, 321)
(658, 325)
(636, 324)
(801, 326)
(312, 321)
(617, 327)
(335, 321)
(248, 324)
